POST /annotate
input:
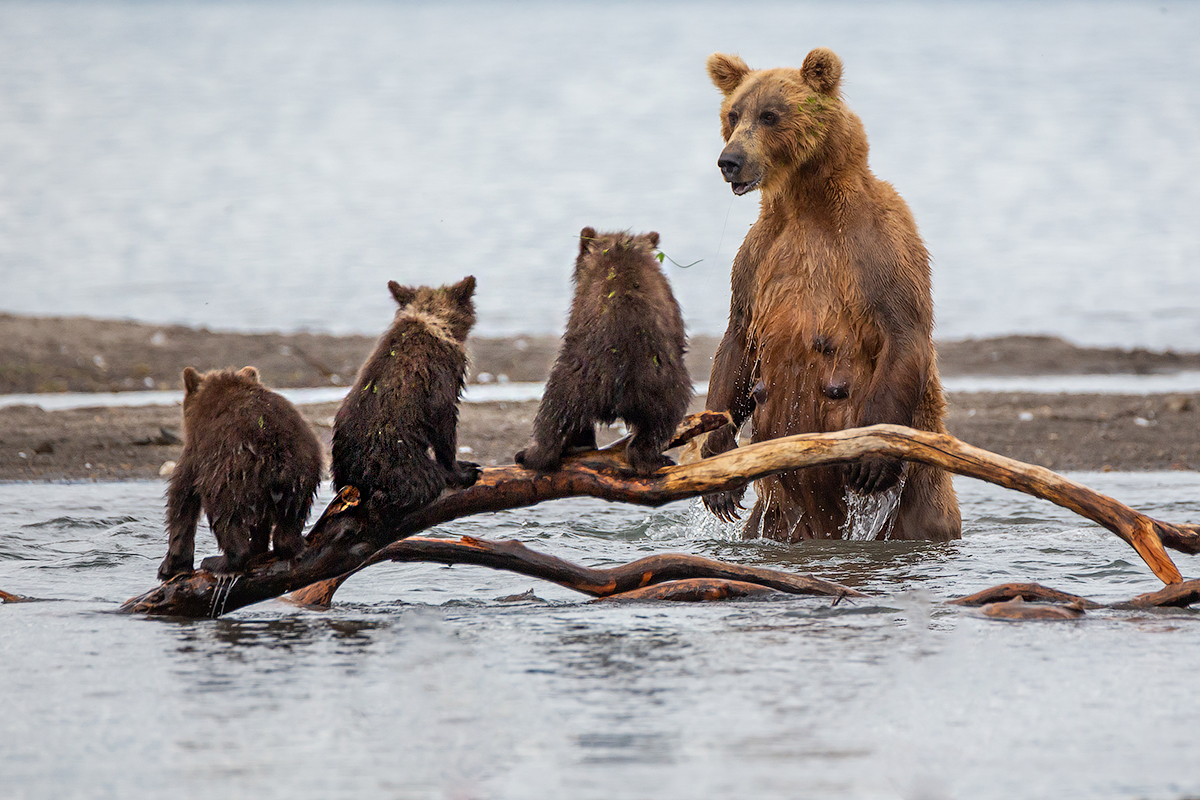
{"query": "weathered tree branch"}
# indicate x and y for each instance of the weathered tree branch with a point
(341, 542)
(513, 556)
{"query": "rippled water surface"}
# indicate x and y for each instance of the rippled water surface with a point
(423, 682)
(271, 165)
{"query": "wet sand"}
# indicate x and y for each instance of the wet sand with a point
(1062, 431)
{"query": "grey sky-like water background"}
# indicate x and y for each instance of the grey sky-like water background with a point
(270, 165)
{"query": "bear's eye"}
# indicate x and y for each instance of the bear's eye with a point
(768, 118)
(733, 118)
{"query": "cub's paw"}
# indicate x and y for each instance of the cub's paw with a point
(646, 463)
(725, 505)
(288, 550)
(538, 458)
(466, 473)
(171, 566)
(873, 474)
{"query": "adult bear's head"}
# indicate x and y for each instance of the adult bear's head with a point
(776, 121)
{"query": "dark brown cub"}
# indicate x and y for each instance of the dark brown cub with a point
(621, 357)
(395, 436)
(249, 461)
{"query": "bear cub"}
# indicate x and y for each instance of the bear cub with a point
(395, 436)
(249, 461)
(621, 357)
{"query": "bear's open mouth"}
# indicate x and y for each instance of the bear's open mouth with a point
(749, 186)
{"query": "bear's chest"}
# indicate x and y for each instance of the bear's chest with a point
(805, 279)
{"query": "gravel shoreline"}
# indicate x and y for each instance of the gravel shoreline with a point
(1061, 431)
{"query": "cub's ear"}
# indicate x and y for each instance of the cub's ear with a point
(586, 237)
(462, 291)
(403, 294)
(249, 372)
(727, 72)
(652, 237)
(191, 380)
(822, 70)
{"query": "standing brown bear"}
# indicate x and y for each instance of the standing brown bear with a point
(395, 436)
(621, 357)
(831, 308)
(250, 461)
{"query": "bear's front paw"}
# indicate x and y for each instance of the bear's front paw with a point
(873, 474)
(722, 440)
(725, 505)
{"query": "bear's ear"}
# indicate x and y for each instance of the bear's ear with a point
(403, 294)
(727, 72)
(652, 237)
(191, 380)
(249, 372)
(822, 70)
(586, 237)
(462, 291)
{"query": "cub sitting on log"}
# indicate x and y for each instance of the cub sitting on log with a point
(250, 461)
(621, 356)
(395, 436)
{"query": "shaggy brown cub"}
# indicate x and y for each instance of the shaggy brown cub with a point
(395, 436)
(621, 357)
(250, 461)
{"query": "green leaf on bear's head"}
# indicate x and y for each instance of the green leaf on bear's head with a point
(660, 255)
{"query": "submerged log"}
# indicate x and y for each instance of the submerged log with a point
(1028, 591)
(1017, 609)
(342, 542)
(693, 590)
(621, 580)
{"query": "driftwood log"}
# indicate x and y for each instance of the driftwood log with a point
(341, 542)
(628, 581)
(1175, 595)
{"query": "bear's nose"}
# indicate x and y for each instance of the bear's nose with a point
(730, 165)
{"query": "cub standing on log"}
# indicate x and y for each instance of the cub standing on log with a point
(831, 308)
(250, 461)
(395, 436)
(621, 356)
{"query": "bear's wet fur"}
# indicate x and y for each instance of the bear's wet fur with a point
(249, 461)
(395, 436)
(621, 357)
(831, 308)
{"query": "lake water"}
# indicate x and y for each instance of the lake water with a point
(266, 165)
(422, 683)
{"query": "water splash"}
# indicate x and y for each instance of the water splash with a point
(221, 592)
(867, 515)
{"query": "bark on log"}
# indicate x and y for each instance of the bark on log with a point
(341, 542)
(514, 556)
(1177, 595)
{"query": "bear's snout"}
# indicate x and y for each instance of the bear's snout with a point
(736, 170)
(730, 164)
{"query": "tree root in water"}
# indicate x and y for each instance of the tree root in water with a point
(344, 541)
